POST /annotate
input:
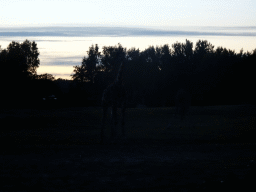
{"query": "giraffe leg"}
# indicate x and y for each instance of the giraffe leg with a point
(105, 109)
(114, 122)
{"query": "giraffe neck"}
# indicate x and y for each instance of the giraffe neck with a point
(119, 78)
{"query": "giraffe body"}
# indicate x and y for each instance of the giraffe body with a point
(114, 96)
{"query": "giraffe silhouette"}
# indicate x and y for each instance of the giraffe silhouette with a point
(113, 97)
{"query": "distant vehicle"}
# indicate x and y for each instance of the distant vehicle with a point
(50, 98)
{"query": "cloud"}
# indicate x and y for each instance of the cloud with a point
(125, 31)
(62, 61)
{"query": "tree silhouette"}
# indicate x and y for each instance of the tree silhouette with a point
(154, 75)
(132, 75)
(188, 51)
(18, 64)
(111, 59)
(45, 76)
(203, 47)
(87, 71)
(31, 55)
(22, 59)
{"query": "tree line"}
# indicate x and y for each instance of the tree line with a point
(152, 77)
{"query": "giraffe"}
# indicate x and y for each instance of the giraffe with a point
(114, 96)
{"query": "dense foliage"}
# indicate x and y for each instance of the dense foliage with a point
(20, 84)
(152, 77)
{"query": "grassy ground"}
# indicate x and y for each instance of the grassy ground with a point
(58, 150)
(82, 125)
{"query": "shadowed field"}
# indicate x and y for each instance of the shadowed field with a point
(58, 149)
(77, 126)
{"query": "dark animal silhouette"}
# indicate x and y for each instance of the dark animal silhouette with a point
(113, 97)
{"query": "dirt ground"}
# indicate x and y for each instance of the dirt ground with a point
(131, 165)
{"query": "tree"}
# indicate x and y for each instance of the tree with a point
(79, 74)
(177, 50)
(165, 57)
(203, 47)
(20, 60)
(150, 73)
(18, 64)
(188, 51)
(111, 59)
(31, 55)
(87, 71)
(45, 76)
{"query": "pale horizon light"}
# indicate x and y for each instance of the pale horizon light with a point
(128, 13)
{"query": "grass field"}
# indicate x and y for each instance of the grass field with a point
(58, 150)
(70, 126)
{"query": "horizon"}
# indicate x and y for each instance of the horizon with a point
(139, 24)
(61, 48)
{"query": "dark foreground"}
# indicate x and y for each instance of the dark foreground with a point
(183, 167)
(184, 164)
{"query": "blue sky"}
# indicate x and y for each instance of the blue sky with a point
(127, 13)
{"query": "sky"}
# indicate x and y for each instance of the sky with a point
(53, 25)
(127, 13)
